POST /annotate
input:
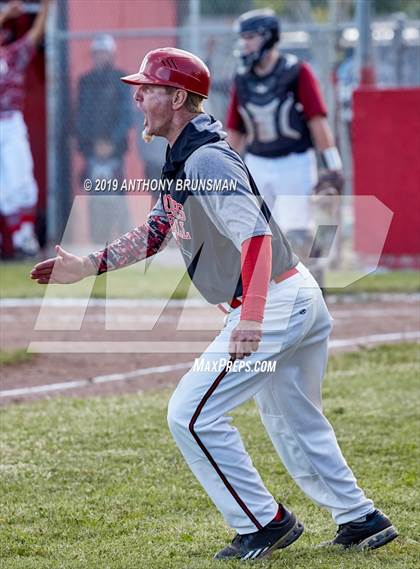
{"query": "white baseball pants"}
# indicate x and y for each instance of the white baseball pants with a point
(18, 188)
(296, 329)
(286, 184)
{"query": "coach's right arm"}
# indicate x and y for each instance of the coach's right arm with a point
(136, 245)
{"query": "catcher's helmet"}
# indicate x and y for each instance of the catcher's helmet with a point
(263, 22)
(175, 68)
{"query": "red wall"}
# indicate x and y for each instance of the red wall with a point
(35, 117)
(386, 154)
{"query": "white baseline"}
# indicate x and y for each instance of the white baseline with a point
(137, 373)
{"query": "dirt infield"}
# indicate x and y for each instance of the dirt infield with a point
(131, 339)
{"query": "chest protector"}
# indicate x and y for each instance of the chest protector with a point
(272, 115)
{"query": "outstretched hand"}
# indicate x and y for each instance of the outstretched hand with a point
(63, 269)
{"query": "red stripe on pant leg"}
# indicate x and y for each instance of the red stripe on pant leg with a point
(208, 455)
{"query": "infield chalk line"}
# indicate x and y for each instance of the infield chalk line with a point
(375, 339)
(94, 380)
(128, 376)
(182, 347)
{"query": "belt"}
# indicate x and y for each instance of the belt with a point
(227, 307)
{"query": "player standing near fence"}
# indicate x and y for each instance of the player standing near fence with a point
(18, 188)
(277, 116)
(238, 258)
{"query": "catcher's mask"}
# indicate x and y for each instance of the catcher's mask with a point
(263, 22)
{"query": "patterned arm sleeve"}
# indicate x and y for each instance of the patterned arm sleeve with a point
(136, 245)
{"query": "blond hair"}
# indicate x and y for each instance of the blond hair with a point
(193, 103)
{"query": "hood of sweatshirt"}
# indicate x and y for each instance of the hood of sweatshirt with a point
(203, 129)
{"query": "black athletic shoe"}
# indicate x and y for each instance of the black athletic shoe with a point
(376, 531)
(259, 544)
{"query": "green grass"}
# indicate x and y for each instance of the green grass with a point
(167, 282)
(392, 281)
(13, 357)
(99, 483)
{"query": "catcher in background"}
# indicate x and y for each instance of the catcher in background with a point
(277, 116)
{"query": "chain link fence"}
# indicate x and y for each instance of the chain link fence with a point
(94, 128)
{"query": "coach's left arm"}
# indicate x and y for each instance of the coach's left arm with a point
(256, 260)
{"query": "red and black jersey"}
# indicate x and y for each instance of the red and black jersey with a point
(210, 225)
(273, 110)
